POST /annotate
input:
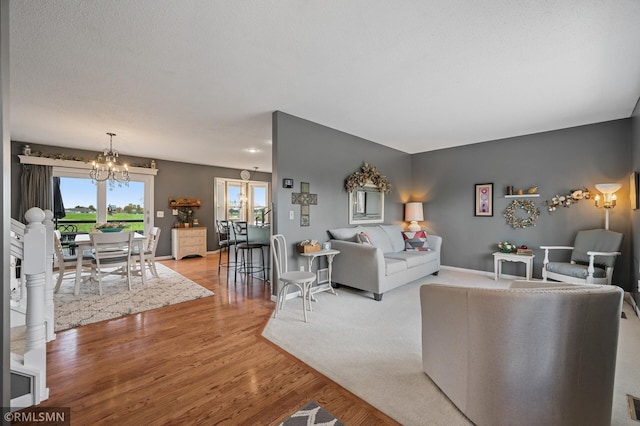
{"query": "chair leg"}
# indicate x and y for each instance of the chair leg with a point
(99, 275)
(152, 266)
(304, 310)
(59, 281)
(129, 275)
(219, 259)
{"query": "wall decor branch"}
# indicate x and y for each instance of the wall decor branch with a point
(522, 222)
(368, 174)
(567, 200)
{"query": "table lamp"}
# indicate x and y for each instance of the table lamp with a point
(413, 213)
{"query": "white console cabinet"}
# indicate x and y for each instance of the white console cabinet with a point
(188, 242)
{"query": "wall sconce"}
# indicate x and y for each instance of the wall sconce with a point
(608, 191)
(413, 213)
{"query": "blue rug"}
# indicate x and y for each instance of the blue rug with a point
(311, 414)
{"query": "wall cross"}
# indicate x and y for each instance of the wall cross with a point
(305, 199)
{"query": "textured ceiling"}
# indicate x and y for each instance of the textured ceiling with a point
(197, 81)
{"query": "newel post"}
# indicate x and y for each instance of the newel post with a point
(34, 269)
(49, 312)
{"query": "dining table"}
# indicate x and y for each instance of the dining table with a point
(83, 241)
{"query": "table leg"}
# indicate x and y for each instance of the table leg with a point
(496, 274)
(309, 267)
(329, 262)
(80, 250)
(143, 268)
(529, 267)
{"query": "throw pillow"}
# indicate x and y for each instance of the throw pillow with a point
(415, 241)
(363, 238)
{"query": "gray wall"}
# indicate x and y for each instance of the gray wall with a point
(174, 179)
(309, 152)
(556, 162)
(635, 214)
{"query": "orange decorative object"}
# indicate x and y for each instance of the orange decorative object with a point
(175, 202)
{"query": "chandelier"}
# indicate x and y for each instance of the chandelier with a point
(106, 168)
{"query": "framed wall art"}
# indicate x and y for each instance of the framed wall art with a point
(633, 190)
(484, 199)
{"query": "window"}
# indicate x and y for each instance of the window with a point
(86, 202)
(238, 200)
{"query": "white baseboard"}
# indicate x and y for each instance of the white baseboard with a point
(484, 273)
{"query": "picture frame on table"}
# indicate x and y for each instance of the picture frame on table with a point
(483, 199)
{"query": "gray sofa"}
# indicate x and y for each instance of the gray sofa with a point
(538, 353)
(385, 264)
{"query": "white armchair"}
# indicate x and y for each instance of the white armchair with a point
(592, 261)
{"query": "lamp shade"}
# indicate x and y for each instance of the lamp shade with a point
(413, 212)
(608, 188)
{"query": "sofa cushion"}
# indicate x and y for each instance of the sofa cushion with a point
(363, 238)
(415, 241)
(414, 258)
(393, 266)
(394, 232)
(379, 238)
(575, 270)
(346, 234)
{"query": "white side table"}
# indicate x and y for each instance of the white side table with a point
(330, 255)
(499, 257)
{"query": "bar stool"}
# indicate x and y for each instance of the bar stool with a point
(245, 249)
(224, 243)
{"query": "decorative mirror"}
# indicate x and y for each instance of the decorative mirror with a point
(366, 205)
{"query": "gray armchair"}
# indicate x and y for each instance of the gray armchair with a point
(592, 259)
(534, 354)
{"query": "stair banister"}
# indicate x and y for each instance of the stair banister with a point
(33, 267)
(49, 285)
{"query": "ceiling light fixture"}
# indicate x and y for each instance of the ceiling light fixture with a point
(252, 150)
(106, 168)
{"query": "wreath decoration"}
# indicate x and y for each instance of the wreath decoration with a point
(369, 174)
(522, 222)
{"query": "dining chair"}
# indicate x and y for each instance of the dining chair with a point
(224, 242)
(300, 279)
(62, 260)
(111, 256)
(149, 252)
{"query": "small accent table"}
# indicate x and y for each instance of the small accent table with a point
(499, 257)
(330, 255)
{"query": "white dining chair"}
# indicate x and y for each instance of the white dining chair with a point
(301, 279)
(63, 260)
(111, 256)
(149, 252)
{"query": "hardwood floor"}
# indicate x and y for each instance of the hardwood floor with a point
(198, 362)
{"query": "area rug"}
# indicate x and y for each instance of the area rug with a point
(116, 300)
(312, 414)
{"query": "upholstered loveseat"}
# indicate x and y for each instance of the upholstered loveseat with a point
(383, 264)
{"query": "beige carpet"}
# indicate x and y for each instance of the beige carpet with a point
(116, 300)
(374, 349)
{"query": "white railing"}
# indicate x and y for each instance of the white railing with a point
(33, 245)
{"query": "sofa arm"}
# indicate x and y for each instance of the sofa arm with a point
(435, 242)
(358, 265)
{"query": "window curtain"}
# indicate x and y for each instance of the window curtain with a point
(35, 188)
